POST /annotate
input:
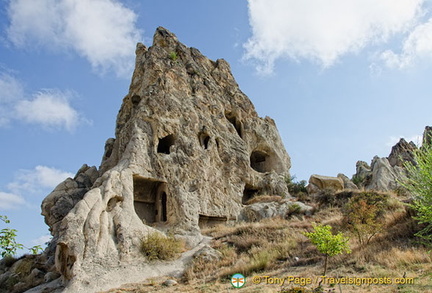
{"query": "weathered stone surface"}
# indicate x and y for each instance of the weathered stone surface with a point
(66, 195)
(402, 152)
(427, 136)
(284, 208)
(348, 184)
(208, 254)
(189, 145)
(319, 182)
(384, 176)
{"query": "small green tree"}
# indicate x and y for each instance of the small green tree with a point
(327, 243)
(419, 183)
(8, 243)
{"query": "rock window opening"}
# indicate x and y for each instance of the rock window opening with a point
(260, 162)
(135, 99)
(204, 139)
(150, 199)
(235, 122)
(210, 221)
(248, 193)
(165, 144)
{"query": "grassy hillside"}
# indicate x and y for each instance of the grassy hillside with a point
(275, 256)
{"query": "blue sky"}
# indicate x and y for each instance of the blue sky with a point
(343, 79)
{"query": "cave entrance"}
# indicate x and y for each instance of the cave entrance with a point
(165, 144)
(260, 161)
(248, 193)
(150, 199)
(211, 221)
(204, 139)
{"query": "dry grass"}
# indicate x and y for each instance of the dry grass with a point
(277, 248)
(159, 247)
(264, 198)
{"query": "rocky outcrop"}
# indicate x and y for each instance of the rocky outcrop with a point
(427, 136)
(318, 183)
(283, 208)
(189, 147)
(385, 174)
(348, 184)
(402, 152)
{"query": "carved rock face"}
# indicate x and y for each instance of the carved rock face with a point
(189, 149)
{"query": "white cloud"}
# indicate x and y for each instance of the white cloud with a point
(323, 31)
(49, 108)
(41, 177)
(10, 201)
(417, 139)
(11, 90)
(417, 46)
(42, 240)
(102, 31)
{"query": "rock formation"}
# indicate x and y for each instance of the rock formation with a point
(385, 174)
(402, 152)
(318, 183)
(189, 149)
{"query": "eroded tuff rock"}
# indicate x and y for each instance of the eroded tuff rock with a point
(401, 153)
(319, 183)
(385, 174)
(189, 149)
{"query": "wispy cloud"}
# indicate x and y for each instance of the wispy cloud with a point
(37, 179)
(416, 47)
(102, 31)
(417, 139)
(11, 91)
(323, 31)
(28, 184)
(41, 240)
(9, 201)
(49, 108)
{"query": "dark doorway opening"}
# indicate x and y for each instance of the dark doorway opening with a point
(150, 199)
(210, 221)
(165, 144)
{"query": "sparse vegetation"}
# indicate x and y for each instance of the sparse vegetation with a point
(263, 198)
(327, 243)
(363, 215)
(419, 183)
(8, 244)
(296, 188)
(173, 56)
(277, 247)
(159, 247)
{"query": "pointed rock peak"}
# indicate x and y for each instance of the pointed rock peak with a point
(164, 38)
(401, 152)
(427, 135)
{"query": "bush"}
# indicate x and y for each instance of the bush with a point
(327, 243)
(159, 247)
(419, 183)
(296, 188)
(8, 243)
(361, 219)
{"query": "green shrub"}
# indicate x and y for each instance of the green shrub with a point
(8, 243)
(296, 188)
(173, 56)
(327, 243)
(159, 247)
(419, 183)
